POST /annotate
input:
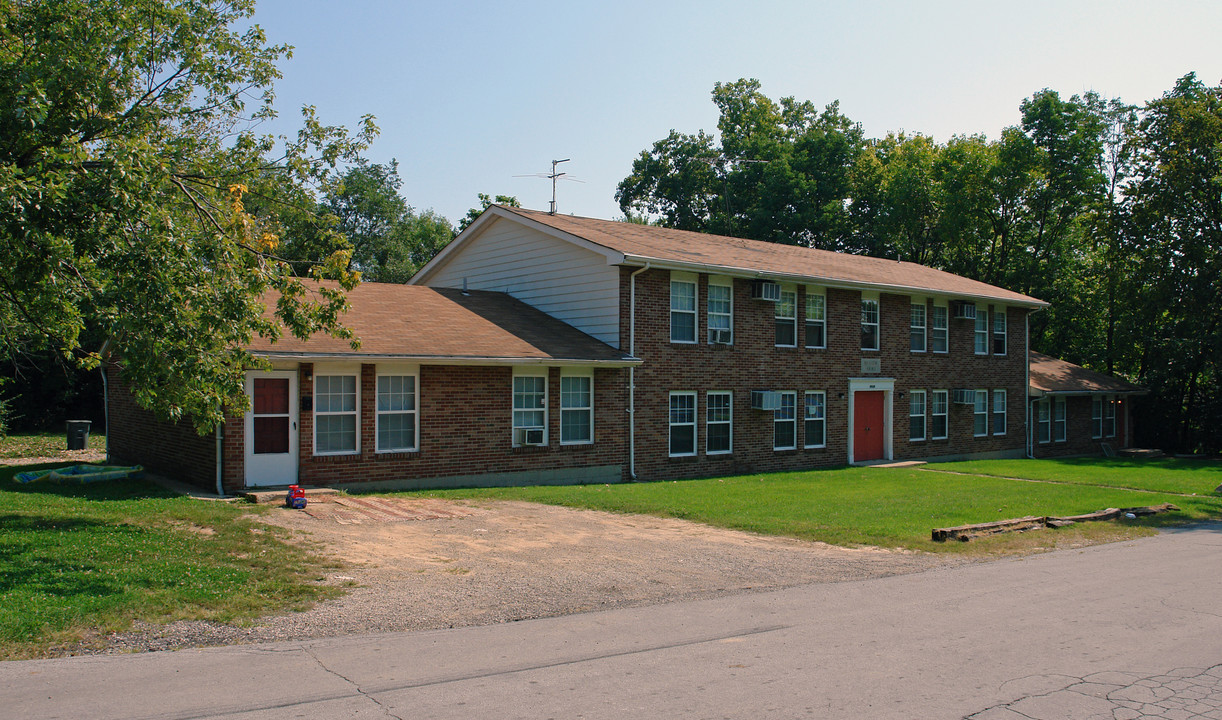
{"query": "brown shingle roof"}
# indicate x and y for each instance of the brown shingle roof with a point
(1050, 375)
(413, 322)
(728, 253)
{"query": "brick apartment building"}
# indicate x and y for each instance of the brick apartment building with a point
(1075, 411)
(542, 348)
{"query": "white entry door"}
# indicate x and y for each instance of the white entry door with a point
(271, 428)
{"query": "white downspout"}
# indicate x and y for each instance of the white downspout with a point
(632, 374)
(1027, 390)
(105, 396)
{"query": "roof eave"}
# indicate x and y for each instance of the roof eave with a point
(661, 264)
(446, 359)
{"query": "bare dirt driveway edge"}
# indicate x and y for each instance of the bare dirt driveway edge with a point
(488, 562)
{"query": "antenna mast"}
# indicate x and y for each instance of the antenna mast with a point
(553, 176)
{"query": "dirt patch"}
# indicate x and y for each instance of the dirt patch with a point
(478, 563)
(75, 456)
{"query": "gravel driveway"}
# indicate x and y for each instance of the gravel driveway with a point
(427, 564)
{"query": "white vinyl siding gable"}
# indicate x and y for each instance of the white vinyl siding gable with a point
(563, 280)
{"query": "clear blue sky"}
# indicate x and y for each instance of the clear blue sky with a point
(470, 94)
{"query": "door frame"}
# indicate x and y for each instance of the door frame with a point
(293, 461)
(887, 387)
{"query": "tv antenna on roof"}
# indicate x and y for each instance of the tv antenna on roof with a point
(553, 176)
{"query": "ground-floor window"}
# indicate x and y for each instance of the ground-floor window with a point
(335, 414)
(396, 413)
(1058, 419)
(576, 409)
(718, 421)
(1096, 417)
(937, 414)
(529, 410)
(1042, 421)
(916, 414)
(682, 424)
(980, 419)
(815, 423)
(1109, 416)
(999, 412)
(785, 423)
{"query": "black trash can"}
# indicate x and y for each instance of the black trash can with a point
(78, 434)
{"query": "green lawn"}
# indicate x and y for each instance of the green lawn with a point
(43, 445)
(889, 507)
(1160, 474)
(78, 562)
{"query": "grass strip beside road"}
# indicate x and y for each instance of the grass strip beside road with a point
(886, 507)
(79, 562)
(1170, 475)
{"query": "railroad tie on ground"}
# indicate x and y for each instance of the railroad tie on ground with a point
(963, 533)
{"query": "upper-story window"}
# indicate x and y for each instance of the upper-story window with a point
(721, 310)
(999, 331)
(982, 330)
(939, 334)
(787, 319)
(816, 318)
(682, 308)
(869, 323)
(916, 328)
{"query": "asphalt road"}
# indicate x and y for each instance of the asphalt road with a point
(1114, 631)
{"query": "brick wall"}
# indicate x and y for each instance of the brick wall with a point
(137, 436)
(465, 417)
(753, 362)
(1078, 429)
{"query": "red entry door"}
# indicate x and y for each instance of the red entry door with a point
(868, 426)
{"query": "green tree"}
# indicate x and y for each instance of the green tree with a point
(486, 201)
(137, 202)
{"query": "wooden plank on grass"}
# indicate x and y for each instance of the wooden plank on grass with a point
(962, 532)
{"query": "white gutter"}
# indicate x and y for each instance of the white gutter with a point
(839, 283)
(632, 374)
(436, 360)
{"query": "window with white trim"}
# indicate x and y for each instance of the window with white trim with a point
(980, 418)
(939, 333)
(1043, 422)
(1096, 417)
(999, 412)
(396, 413)
(721, 310)
(785, 423)
(814, 425)
(916, 415)
(682, 308)
(529, 410)
(938, 407)
(787, 319)
(682, 424)
(1109, 417)
(869, 323)
(816, 318)
(916, 328)
(576, 406)
(719, 423)
(335, 415)
(999, 331)
(982, 330)
(1058, 419)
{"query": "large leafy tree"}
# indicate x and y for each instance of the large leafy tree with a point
(138, 204)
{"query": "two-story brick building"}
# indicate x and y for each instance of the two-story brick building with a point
(701, 355)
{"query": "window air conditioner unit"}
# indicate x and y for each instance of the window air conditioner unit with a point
(765, 400)
(961, 396)
(528, 436)
(765, 290)
(720, 337)
(965, 310)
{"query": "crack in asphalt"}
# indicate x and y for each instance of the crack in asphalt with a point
(1184, 694)
(356, 686)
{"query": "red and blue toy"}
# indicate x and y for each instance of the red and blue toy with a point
(296, 497)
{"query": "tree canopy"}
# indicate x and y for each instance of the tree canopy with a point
(140, 204)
